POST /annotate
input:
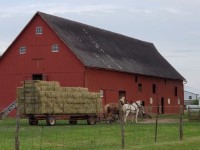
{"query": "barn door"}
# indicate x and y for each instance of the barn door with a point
(162, 105)
(121, 94)
(37, 77)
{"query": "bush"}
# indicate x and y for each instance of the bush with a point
(195, 102)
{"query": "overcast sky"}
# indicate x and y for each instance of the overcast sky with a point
(172, 25)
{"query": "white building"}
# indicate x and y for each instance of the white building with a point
(189, 97)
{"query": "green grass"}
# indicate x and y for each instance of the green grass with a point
(99, 137)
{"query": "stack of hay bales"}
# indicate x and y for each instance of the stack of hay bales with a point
(47, 97)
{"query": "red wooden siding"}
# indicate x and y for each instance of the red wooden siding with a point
(114, 82)
(61, 66)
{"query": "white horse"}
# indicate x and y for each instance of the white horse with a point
(133, 109)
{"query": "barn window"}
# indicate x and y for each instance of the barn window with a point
(176, 91)
(55, 48)
(136, 79)
(22, 50)
(169, 100)
(179, 101)
(154, 88)
(139, 87)
(38, 30)
(151, 100)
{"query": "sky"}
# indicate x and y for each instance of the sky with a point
(172, 25)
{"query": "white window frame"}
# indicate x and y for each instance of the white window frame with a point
(38, 30)
(101, 93)
(169, 101)
(22, 50)
(179, 101)
(151, 100)
(55, 48)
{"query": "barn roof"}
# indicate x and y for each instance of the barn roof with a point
(103, 49)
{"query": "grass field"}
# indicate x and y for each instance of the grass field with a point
(99, 137)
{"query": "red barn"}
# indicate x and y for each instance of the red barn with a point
(79, 55)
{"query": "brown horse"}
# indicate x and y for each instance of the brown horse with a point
(111, 110)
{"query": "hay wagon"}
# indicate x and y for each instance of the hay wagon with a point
(51, 118)
(47, 100)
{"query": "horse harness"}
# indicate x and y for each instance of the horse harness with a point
(136, 107)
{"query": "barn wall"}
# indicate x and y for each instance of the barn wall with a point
(61, 66)
(113, 82)
(64, 67)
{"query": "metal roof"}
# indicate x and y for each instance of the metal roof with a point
(99, 48)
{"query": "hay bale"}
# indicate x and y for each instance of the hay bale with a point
(49, 97)
(74, 89)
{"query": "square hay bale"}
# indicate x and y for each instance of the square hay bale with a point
(39, 110)
(58, 88)
(74, 89)
(49, 94)
(21, 107)
(49, 97)
(58, 110)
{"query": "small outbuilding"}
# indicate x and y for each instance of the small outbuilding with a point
(78, 55)
(190, 98)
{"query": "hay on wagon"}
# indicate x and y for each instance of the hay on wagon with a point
(44, 97)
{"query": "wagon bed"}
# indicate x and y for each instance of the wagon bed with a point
(51, 118)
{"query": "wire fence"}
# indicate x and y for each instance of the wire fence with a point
(155, 128)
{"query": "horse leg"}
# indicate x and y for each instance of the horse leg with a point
(136, 116)
(132, 118)
(125, 116)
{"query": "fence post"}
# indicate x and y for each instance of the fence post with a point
(188, 113)
(17, 130)
(122, 124)
(181, 123)
(156, 128)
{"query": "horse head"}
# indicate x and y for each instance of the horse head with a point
(139, 103)
(123, 100)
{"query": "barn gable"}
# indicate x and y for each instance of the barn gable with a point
(98, 48)
(39, 58)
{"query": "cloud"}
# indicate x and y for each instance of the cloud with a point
(142, 11)
(87, 9)
(171, 10)
(53, 8)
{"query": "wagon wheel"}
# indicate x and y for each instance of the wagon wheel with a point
(51, 121)
(108, 121)
(33, 121)
(91, 121)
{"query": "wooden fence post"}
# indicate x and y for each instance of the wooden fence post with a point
(181, 123)
(189, 113)
(122, 125)
(17, 130)
(156, 128)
